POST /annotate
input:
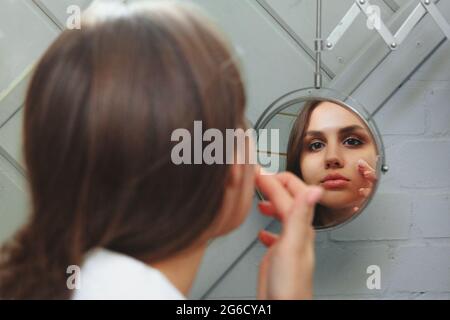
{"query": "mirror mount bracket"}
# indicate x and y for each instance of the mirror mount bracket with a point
(374, 21)
(318, 46)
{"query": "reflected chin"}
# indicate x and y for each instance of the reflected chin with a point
(338, 199)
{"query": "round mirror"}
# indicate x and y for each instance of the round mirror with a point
(326, 140)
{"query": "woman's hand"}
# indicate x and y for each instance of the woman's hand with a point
(370, 176)
(286, 270)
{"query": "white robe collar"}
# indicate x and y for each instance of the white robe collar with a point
(109, 275)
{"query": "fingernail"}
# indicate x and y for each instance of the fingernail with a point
(361, 162)
(314, 195)
(263, 204)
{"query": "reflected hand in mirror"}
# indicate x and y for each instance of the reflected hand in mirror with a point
(371, 178)
(331, 146)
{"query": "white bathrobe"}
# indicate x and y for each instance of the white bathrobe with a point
(107, 275)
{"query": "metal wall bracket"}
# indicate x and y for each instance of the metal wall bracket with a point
(393, 41)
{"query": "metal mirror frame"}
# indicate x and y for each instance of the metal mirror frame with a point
(327, 94)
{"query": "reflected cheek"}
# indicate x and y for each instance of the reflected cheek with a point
(368, 154)
(357, 178)
(310, 168)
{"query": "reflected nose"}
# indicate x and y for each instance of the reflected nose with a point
(333, 163)
(333, 160)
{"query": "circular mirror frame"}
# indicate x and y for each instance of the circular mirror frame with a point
(327, 94)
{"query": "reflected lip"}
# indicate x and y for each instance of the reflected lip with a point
(334, 176)
(335, 181)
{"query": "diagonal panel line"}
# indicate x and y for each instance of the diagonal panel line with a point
(48, 13)
(407, 78)
(293, 35)
(230, 268)
(7, 157)
(391, 4)
(235, 262)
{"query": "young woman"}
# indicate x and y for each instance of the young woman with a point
(330, 146)
(106, 196)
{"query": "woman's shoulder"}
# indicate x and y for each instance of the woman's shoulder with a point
(111, 275)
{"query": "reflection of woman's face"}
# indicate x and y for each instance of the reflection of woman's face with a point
(335, 139)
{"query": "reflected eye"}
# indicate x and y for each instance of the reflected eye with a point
(353, 142)
(315, 146)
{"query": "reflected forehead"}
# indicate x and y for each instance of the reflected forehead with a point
(331, 116)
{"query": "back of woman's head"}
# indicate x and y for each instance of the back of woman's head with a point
(99, 113)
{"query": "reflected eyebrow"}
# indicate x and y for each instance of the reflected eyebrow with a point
(343, 130)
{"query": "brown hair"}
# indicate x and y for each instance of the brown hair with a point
(99, 113)
(296, 146)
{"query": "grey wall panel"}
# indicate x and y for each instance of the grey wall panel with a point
(11, 138)
(401, 3)
(14, 203)
(13, 99)
(26, 33)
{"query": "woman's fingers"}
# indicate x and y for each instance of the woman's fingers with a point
(263, 278)
(301, 216)
(267, 238)
(365, 192)
(276, 193)
(281, 189)
(367, 171)
(268, 209)
(291, 254)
